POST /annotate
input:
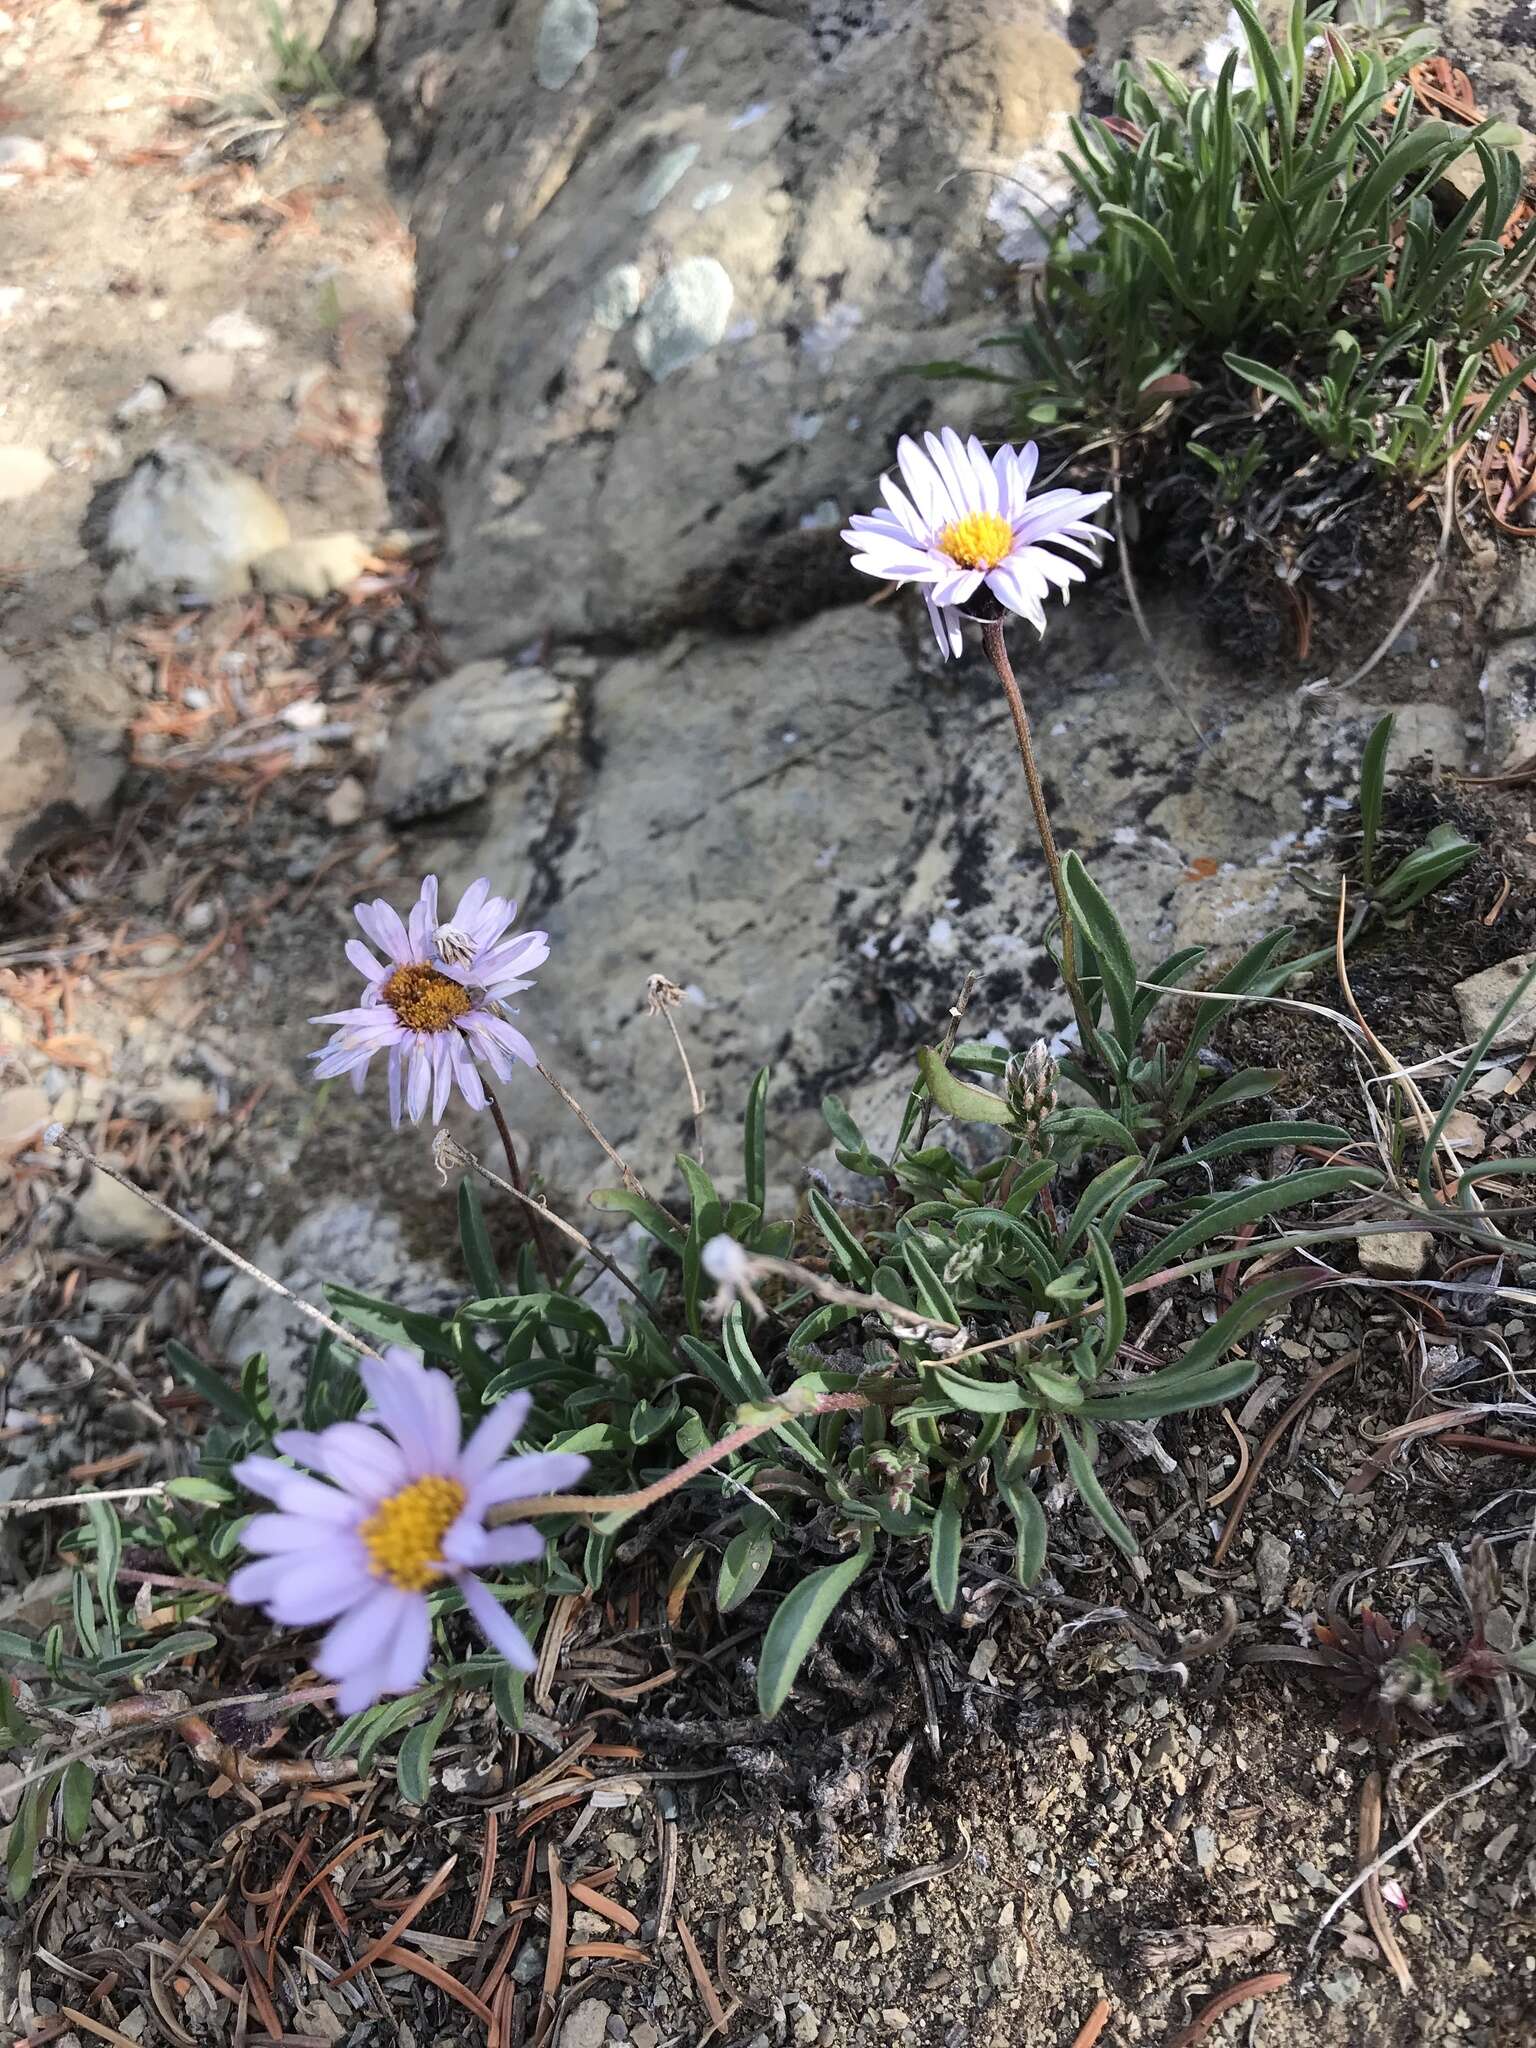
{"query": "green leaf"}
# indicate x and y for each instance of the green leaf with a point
(213, 1387)
(747, 1556)
(1256, 1138)
(646, 1214)
(203, 1491)
(1464, 1078)
(1274, 381)
(24, 1834)
(755, 1141)
(799, 1620)
(1060, 1391)
(1082, 1125)
(848, 1255)
(484, 1275)
(509, 1691)
(1112, 1336)
(852, 1146)
(944, 1543)
(978, 1397)
(413, 1766)
(1220, 1218)
(75, 1801)
(1080, 1456)
(1023, 1503)
(962, 1099)
(1373, 777)
(1102, 928)
(1193, 1381)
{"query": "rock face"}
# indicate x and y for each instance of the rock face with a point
(670, 287)
(666, 278)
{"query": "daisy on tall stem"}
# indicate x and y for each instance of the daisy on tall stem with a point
(967, 531)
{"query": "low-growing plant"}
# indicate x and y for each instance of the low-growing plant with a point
(921, 1371)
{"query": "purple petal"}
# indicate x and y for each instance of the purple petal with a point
(520, 1478)
(268, 1535)
(296, 1493)
(904, 511)
(362, 1637)
(395, 1057)
(318, 1589)
(418, 1409)
(365, 963)
(923, 483)
(983, 476)
(363, 1460)
(364, 1688)
(407, 1654)
(492, 1437)
(423, 919)
(442, 1073)
(466, 1543)
(381, 923)
(467, 1074)
(419, 1080)
(496, 1625)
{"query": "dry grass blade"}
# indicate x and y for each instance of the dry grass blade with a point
(332, 1863)
(1244, 1457)
(1375, 1908)
(701, 1976)
(613, 1951)
(1238, 1994)
(399, 1924)
(487, 1873)
(554, 1960)
(1309, 1393)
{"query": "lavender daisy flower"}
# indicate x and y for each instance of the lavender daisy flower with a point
(435, 1003)
(405, 1509)
(970, 522)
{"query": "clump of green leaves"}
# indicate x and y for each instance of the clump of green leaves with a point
(301, 70)
(1285, 232)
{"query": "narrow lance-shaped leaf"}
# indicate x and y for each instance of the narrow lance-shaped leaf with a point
(801, 1616)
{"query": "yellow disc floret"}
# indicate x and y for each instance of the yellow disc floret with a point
(978, 541)
(423, 999)
(404, 1534)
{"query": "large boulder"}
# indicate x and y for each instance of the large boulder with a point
(674, 270)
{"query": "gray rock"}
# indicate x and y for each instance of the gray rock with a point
(23, 155)
(1481, 996)
(1393, 1254)
(684, 316)
(25, 1114)
(146, 403)
(1272, 1564)
(817, 833)
(197, 373)
(353, 1242)
(597, 476)
(617, 298)
(586, 2025)
(459, 735)
(567, 37)
(314, 567)
(237, 333)
(660, 179)
(23, 472)
(186, 523)
(110, 1215)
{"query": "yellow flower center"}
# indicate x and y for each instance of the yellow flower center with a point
(978, 541)
(423, 999)
(404, 1534)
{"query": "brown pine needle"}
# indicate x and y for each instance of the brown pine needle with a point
(1093, 2026)
(701, 1976)
(397, 1926)
(1239, 1994)
(608, 1909)
(487, 1873)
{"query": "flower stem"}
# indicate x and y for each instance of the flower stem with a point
(627, 1173)
(997, 653)
(541, 1249)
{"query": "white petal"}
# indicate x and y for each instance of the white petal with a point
(496, 1625)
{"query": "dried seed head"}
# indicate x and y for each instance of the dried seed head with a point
(453, 946)
(661, 995)
(1031, 1089)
